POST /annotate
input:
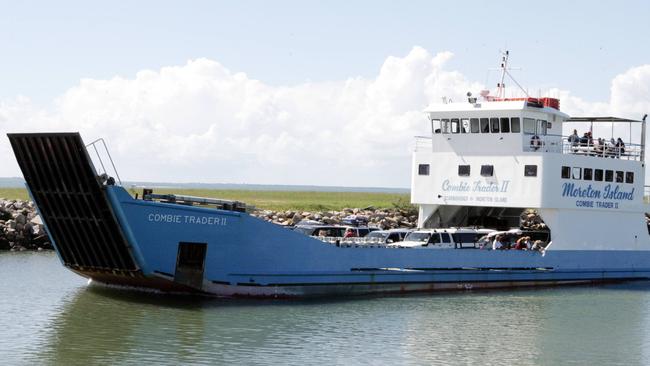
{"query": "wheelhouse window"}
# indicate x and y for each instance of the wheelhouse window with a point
(529, 126)
(566, 172)
(598, 175)
(485, 125)
(576, 173)
(505, 124)
(464, 125)
(609, 175)
(487, 170)
(423, 169)
(514, 125)
(463, 170)
(474, 125)
(620, 176)
(455, 125)
(587, 174)
(435, 126)
(541, 127)
(629, 177)
(494, 125)
(530, 170)
(446, 127)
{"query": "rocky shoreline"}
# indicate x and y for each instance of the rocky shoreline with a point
(384, 219)
(20, 227)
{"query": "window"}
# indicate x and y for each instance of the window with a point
(423, 169)
(530, 170)
(446, 128)
(464, 237)
(566, 172)
(541, 127)
(435, 126)
(629, 177)
(505, 124)
(620, 176)
(455, 125)
(445, 238)
(587, 174)
(485, 125)
(474, 127)
(598, 175)
(463, 170)
(487, 170)
(576, 173)
(529, 125)
(494, 125)
(609, 175)
(514, 125)
(434, 239)
(464, 125)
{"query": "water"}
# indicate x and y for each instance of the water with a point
(49, 315)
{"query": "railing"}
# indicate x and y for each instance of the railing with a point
(561, 145)
(604, 149)
(101, 161)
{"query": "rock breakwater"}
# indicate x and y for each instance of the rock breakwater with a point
(20, 227)
(390, 218)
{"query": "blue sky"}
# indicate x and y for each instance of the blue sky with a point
(48, 47)
(297, 92)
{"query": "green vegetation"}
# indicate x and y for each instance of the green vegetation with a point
(277, 200)
(14, 194)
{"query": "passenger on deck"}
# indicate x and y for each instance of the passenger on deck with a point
(574, 139)
(349, 233)
(496, 245)
(523, 243)
(620, 146)
(587, 140)
(538, 245)
(600, 148)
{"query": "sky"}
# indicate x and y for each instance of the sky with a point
(297, 92)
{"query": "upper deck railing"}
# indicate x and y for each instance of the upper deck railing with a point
(561, 145)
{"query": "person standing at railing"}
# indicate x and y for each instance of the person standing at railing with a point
(574, 139)
(620, 146)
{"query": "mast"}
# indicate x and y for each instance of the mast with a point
(643, 137)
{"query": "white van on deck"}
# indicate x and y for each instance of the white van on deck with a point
(442, 238)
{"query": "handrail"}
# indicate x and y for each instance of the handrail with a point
(108, 153)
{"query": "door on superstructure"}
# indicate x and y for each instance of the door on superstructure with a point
(190, 264)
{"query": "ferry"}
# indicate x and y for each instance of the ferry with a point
(484, 163)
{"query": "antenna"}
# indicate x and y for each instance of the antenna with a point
(505, 70)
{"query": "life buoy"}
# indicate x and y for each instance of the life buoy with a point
(535, 142)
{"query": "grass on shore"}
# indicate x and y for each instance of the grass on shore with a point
(275, 200)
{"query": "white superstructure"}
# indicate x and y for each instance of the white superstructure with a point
(489, 160)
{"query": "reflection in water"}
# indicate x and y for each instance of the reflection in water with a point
(557, 326)
(62, 321)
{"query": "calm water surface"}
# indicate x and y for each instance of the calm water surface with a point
(48, 315)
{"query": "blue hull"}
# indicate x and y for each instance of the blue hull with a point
(249, 257)
(101, 232)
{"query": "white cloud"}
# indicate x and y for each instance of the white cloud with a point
(201, 122)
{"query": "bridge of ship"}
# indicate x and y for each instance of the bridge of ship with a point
(536, 137)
